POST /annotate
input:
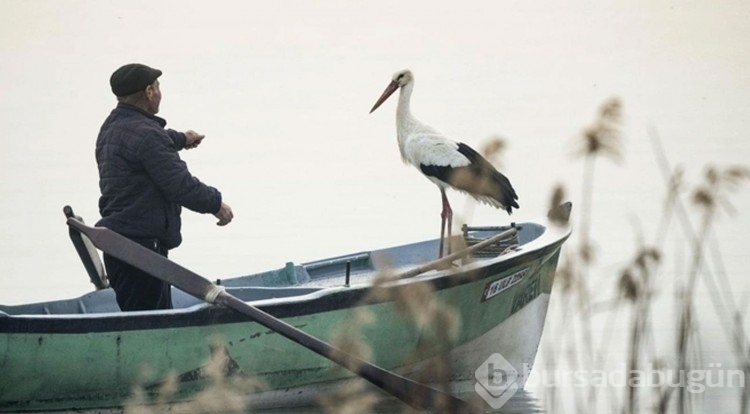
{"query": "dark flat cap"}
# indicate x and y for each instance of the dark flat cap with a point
(132, 78)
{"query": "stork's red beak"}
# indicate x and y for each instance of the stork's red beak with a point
(392, 87)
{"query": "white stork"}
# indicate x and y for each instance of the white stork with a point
(445, 162)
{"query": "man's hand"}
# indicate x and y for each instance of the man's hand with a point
(224, 215)
(192, 139)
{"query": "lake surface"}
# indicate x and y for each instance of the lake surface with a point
(283, 91)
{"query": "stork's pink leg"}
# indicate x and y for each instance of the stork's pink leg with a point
(445, 215)
(442, 235)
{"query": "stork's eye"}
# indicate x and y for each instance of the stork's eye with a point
(399, 77)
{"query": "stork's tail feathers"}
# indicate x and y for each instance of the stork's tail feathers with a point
(481, 180)
(495, 190)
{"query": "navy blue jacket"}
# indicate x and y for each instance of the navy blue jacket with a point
(142, 179)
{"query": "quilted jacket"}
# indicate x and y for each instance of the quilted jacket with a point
(142, 179)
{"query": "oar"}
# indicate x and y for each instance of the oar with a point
(446, 260)
(419, 396)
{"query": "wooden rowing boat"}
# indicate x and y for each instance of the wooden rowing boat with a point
(84, 353)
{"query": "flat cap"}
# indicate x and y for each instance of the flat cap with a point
(132, 78)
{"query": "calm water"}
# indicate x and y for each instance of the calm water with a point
(282, 92)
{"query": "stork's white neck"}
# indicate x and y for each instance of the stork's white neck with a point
(404, 110)
(406, 123)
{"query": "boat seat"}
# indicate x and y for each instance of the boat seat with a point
(88, 253)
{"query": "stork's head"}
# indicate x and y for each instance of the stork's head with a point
(400, 79)
(403, 77)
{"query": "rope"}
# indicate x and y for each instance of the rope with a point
(214, 293)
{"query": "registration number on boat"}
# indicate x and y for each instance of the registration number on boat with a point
(495, 288)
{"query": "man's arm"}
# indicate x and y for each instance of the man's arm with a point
(187, 140)
(178, 138)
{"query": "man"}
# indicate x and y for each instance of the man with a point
(144, 184)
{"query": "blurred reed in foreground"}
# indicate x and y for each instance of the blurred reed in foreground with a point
(637, 286)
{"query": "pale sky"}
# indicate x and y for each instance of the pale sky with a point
(282, 90)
